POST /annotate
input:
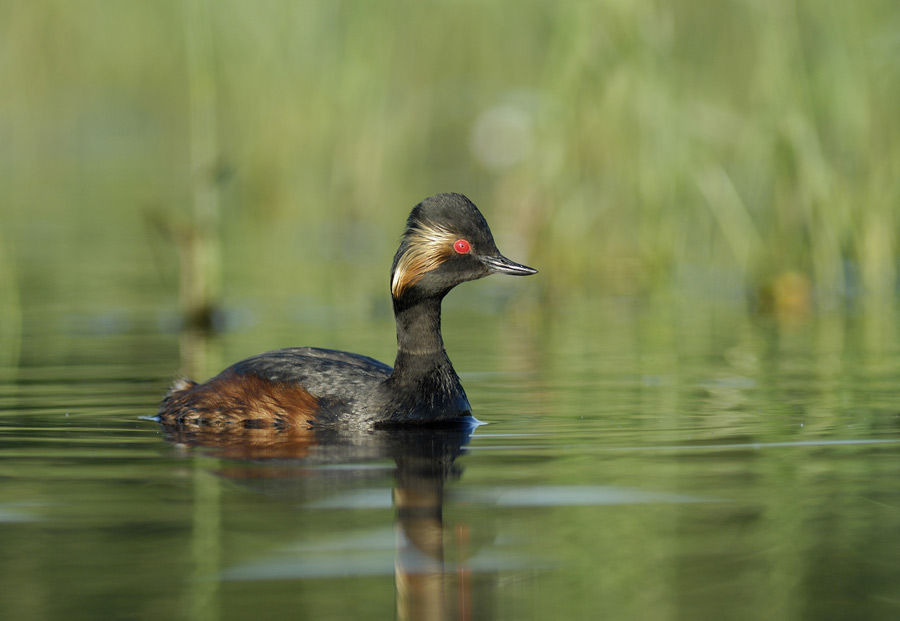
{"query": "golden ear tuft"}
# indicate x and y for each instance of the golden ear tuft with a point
(427, 246)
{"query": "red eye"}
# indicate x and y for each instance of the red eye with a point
(461, 246)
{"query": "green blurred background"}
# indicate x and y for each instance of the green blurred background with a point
(674, 169)
(738, 151)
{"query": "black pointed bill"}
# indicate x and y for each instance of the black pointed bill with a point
(501, 265)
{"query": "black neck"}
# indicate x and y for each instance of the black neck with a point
(420, 347)
(423, 386)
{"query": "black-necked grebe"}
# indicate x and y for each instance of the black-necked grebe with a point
(447, 241)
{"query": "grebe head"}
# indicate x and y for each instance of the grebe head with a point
(447, 241)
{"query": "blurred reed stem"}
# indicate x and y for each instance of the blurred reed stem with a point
(201, 266)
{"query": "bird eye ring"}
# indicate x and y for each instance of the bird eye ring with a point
(462, 246)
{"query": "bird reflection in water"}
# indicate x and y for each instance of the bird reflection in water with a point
(424, 458)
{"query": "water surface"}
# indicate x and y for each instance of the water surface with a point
(638, 462)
